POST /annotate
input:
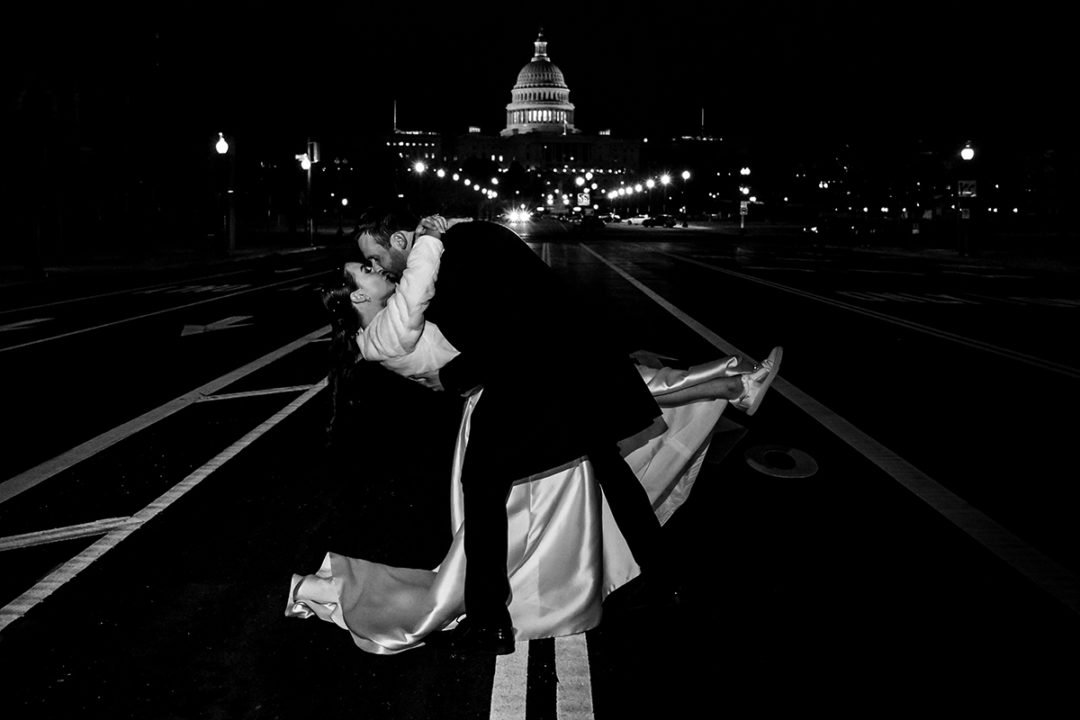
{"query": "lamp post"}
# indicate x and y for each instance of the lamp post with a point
(665, 179)
(744, 206)
(228, 223)
(308, 159)
(686, 210)
(965, 192)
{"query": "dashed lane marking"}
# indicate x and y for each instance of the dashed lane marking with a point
(878, 296)
(58, 577)
(127, 291)
(573, 693)
(156, 313)
(1038, 362)
(509, 686)
(24, 324)
(39, 474)
(1053, 578)
(229, 323)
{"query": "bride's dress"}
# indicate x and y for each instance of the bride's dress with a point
(565, 551)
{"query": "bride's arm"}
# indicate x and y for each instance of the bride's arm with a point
(396, 328)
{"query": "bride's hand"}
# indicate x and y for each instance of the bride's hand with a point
(434, 225)
(429, 380)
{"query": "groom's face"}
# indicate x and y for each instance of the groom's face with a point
(391, 259)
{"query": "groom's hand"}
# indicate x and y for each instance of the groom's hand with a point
(430, 380)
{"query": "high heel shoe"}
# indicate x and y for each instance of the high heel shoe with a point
(296, 608)
(756, 383)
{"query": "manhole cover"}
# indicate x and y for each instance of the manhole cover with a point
(781, 461)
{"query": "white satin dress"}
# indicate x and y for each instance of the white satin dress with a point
(565, 555)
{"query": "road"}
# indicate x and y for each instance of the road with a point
(895, 529)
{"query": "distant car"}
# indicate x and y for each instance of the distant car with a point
(590, 222)
(659, 221)
(609, 217)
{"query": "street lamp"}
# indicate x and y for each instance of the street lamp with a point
(228, 225)
(685, 177)
(307, 159)
(665, 179)
(968, 152)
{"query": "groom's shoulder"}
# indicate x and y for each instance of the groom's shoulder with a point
(478, 232)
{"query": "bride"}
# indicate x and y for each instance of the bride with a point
(565, 551)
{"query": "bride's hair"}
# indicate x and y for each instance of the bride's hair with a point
(344, 352)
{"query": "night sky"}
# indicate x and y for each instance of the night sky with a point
(335, 68)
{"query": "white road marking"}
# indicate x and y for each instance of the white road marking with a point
(229, 323)
(155, 313)
(510, 684)
(23, 324)
(256, 393)
(573, 691)
(70, 532)
(36, 475)
(127, 291)
(1053, 578)
(1038, 362)
(58, 577)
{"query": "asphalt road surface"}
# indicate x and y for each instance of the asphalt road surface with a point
(895, 531)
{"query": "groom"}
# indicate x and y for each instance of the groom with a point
(552, 394)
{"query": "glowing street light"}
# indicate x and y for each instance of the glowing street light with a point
(419, 168)
(579, 181)
(685, 174)
(229, 220)
(968, 152)
(744, 171)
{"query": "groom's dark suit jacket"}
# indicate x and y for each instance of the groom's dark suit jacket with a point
(552, 387)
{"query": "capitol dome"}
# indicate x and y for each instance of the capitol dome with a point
(540, 100)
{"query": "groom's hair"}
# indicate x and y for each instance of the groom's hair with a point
(382, 222)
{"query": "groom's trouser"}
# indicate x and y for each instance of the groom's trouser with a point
(487, 588)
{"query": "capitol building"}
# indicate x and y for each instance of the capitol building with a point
(541, 98)
(540, 133)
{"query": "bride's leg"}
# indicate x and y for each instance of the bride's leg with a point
(721, 388)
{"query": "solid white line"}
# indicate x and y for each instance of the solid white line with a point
(510, 684)
(1055, 579)
(154, 313)
(54, 580)
(36, 475)
(256, 393)
(573, 691)
(118, 292)
(918, 327)
(70, 532)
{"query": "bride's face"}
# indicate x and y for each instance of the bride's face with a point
(370, 281)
